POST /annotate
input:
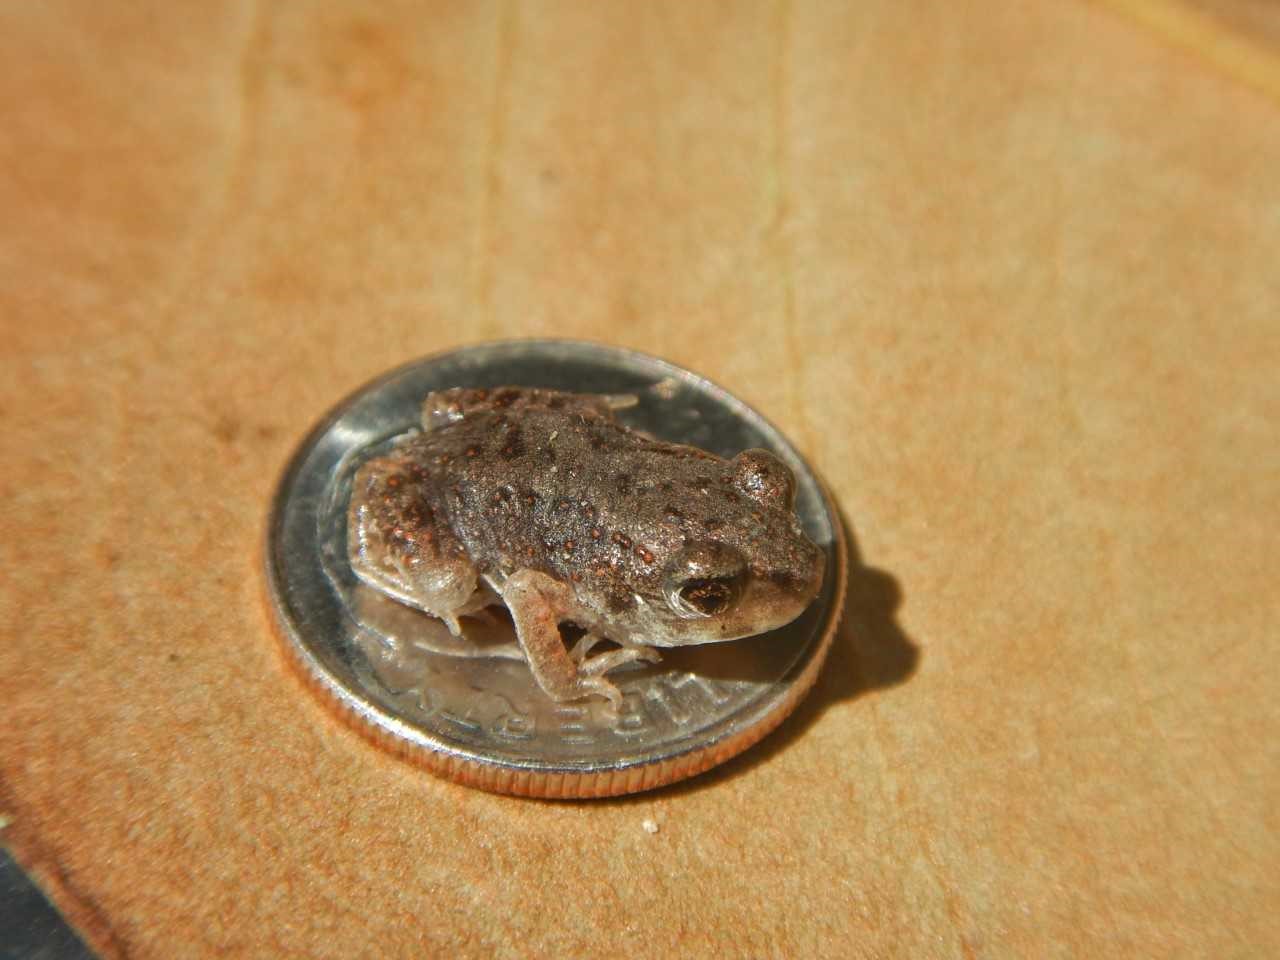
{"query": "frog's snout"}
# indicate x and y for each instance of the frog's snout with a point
(798, 590)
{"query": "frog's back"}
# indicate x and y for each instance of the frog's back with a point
(568, 493)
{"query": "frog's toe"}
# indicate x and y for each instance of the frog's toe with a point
(604, 662)
(584, 646)
(588, 686)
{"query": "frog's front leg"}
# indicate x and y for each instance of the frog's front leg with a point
(538, 603)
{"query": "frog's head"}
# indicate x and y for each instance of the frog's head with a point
(758, 573)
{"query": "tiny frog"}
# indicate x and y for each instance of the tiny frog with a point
(542, 501)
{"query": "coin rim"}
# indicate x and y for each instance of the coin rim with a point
(530, 778)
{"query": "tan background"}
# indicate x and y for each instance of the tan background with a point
(1009, 273)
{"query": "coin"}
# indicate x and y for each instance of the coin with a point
(468, 709)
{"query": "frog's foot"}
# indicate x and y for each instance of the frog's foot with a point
(584, 646)
(601, 687)
(604, 662)
(538, 603)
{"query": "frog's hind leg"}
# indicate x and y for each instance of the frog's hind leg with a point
(396, 544)
(538, 603)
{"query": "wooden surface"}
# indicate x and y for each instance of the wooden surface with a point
(1008, 273)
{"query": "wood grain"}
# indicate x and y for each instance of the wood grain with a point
(1006, 272)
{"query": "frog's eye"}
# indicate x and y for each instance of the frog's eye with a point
(707, 598)
(704, 580)
(764, 478)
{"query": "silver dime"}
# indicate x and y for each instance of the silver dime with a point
(467, 710)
